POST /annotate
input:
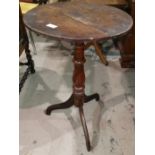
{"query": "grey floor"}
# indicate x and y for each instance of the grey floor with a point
(110, 122)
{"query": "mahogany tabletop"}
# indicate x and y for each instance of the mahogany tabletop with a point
(78, 21)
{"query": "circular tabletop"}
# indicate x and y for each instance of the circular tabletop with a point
(78, 21)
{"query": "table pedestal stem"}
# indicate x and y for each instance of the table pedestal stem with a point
(78, 98)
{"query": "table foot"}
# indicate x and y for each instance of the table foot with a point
(63, 105)
(91, 97)
(84, 125)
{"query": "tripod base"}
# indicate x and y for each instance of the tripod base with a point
(69, 103)
(78, 97)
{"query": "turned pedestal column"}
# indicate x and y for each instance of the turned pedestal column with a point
(78, 97)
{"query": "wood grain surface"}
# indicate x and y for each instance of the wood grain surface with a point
(76, 21)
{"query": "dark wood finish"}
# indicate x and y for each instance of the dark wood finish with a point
(121, 4)
(35, 1)
(128, 43)
(24, 46)
(79, 23)
(78, 98)
(27, 1)
(82, 21)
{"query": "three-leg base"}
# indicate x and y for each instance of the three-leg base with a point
(63, 105)
(68, 104)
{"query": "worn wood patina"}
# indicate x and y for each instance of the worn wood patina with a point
(79, 23)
